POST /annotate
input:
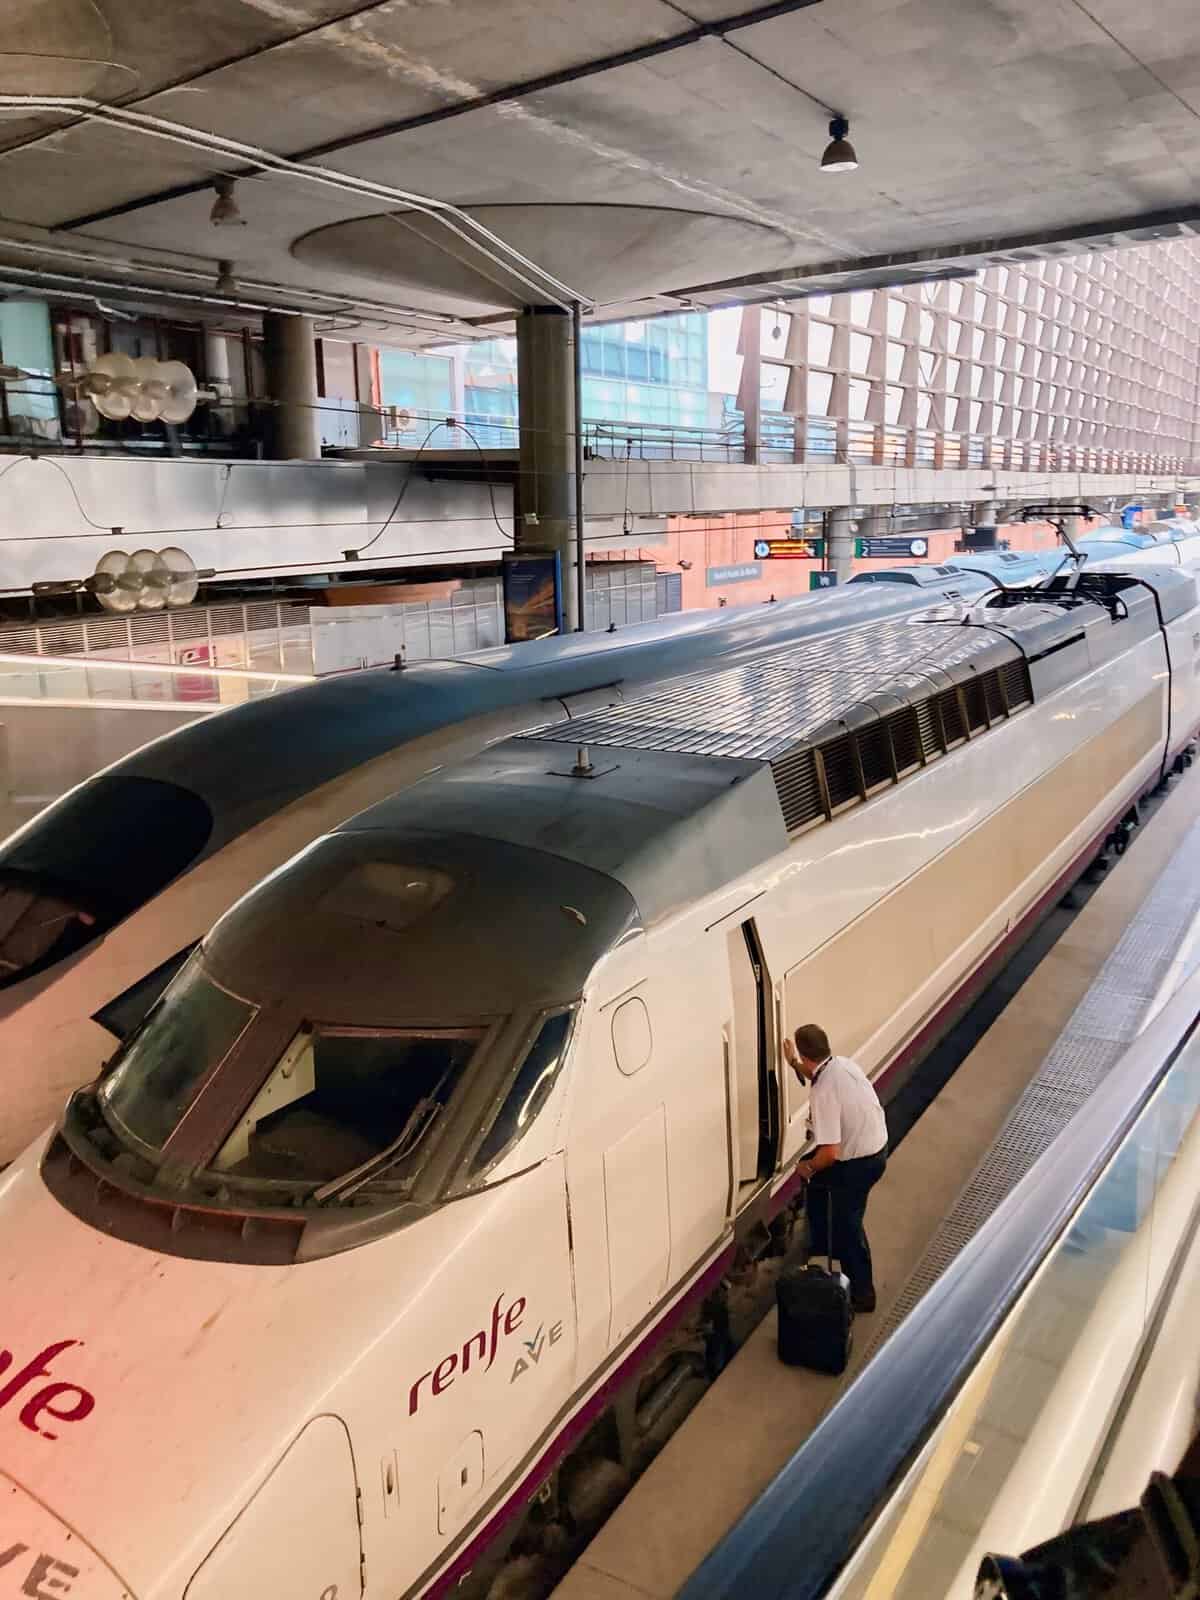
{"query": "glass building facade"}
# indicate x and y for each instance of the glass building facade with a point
(1082, 363)
(643, 374)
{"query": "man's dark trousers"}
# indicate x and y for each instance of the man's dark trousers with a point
(849, 1183)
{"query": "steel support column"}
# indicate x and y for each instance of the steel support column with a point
(548, 444)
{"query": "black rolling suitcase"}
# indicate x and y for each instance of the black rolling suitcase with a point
(815, 1314)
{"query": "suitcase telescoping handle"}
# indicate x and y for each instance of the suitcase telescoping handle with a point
(828, 1228)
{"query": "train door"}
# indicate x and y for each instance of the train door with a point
(753, 1086)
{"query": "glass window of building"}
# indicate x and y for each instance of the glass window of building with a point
(25, 342)
(820, 387)
(774, 386)
(860, 352)
(776, 326)
(417, 383)
(820, 343)
(860, 302)
(895, 317)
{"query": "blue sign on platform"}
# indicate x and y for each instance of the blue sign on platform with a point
(1129, 516)
(743, 572)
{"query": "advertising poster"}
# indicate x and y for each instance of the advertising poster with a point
(532, 596)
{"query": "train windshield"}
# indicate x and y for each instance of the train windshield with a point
(350, 1105)
(183, 1040)
(87, 861)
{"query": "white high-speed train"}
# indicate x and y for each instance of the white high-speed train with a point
(1173, 542)
(439, 1148)
(103, 894)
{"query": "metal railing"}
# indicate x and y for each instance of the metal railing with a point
(238, 429)
(260, 635)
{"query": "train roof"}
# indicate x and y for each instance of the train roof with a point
(683, 790)
(221, 776)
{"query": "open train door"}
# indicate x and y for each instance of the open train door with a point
(752, 1073)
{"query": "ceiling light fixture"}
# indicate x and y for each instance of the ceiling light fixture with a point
(839, 152)
(226, 283)
(225, 210)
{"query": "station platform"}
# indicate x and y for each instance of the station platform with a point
(751, 1421)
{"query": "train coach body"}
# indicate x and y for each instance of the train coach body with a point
(103, 894)
(441, 1127)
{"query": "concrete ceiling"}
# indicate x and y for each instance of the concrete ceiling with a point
(644, 161)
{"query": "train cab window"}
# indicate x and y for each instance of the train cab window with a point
(185, 1036)
(531, 1088)
(87, 861)
(341, 1099)
(125, 1011)
(39, 927)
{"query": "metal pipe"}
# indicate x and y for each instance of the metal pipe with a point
(333, 302)
(35, 277)
(577, 366)
(544, 284)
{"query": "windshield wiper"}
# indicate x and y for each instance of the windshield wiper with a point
(409, 1137)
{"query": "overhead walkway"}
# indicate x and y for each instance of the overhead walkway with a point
(707, 488)
(56, 514)
(743, 1451)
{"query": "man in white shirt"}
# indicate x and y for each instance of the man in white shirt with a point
(847, 1124)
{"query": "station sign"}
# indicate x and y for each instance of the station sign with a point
(891, 548)
(822, 580)
(740, 572)
(789, 549)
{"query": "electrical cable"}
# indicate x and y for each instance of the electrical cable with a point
(483, 461)
(51, 461)
(412, 472)
(224, 491)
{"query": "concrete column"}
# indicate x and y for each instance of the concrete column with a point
(876, 523)
(841, 523)
(216, 372)
(546, 402)
(981, 534)
(290, 359)
(749, 395)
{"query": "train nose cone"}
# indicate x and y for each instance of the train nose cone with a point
(40, 1555)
